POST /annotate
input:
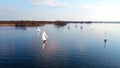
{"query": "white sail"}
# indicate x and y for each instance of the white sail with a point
(44, 36)
(105, 39)
(38, 29)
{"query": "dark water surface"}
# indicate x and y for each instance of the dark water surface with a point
(70, 46)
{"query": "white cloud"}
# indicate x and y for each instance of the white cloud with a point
(102, 10)
(4, 8)
(53, 3)
(8, 13)
(97, 5)
(1, 8)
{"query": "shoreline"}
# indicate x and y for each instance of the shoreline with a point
(31, 23)
(41, 23)
(7, 24)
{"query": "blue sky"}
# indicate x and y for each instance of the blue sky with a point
(68, 10)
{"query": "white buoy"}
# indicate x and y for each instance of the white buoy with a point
(44, 36)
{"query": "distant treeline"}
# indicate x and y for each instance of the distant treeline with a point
(31, 23)
(41, 23)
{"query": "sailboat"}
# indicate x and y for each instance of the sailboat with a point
(81, 27)
(38, 30)
(105, 39)
(26, 28)
(44, 36)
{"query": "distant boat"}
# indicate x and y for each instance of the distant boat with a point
(68, 27)
(38, 30)
(76, 26)
(81, 27)
(44, 36)
(26, 28)
(92, 28)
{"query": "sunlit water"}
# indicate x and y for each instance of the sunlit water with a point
(70, 46)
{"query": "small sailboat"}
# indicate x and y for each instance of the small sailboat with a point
(92, 27)
(26, 28)
(105, 39)
(75, 26)
(81, 27)
(68, 27)
(38, 30)
(44, 36)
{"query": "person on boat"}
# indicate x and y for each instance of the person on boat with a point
(44, 36)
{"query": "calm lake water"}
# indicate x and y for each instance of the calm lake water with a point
(71, 46)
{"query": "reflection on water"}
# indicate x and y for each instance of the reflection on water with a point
(67, 47)
(105, 44)
(38, 33)
(44, 45)
(22, 27)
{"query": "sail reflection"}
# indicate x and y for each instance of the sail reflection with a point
(44, 45)
(104, 44)
(68, 27)
(38, 33)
